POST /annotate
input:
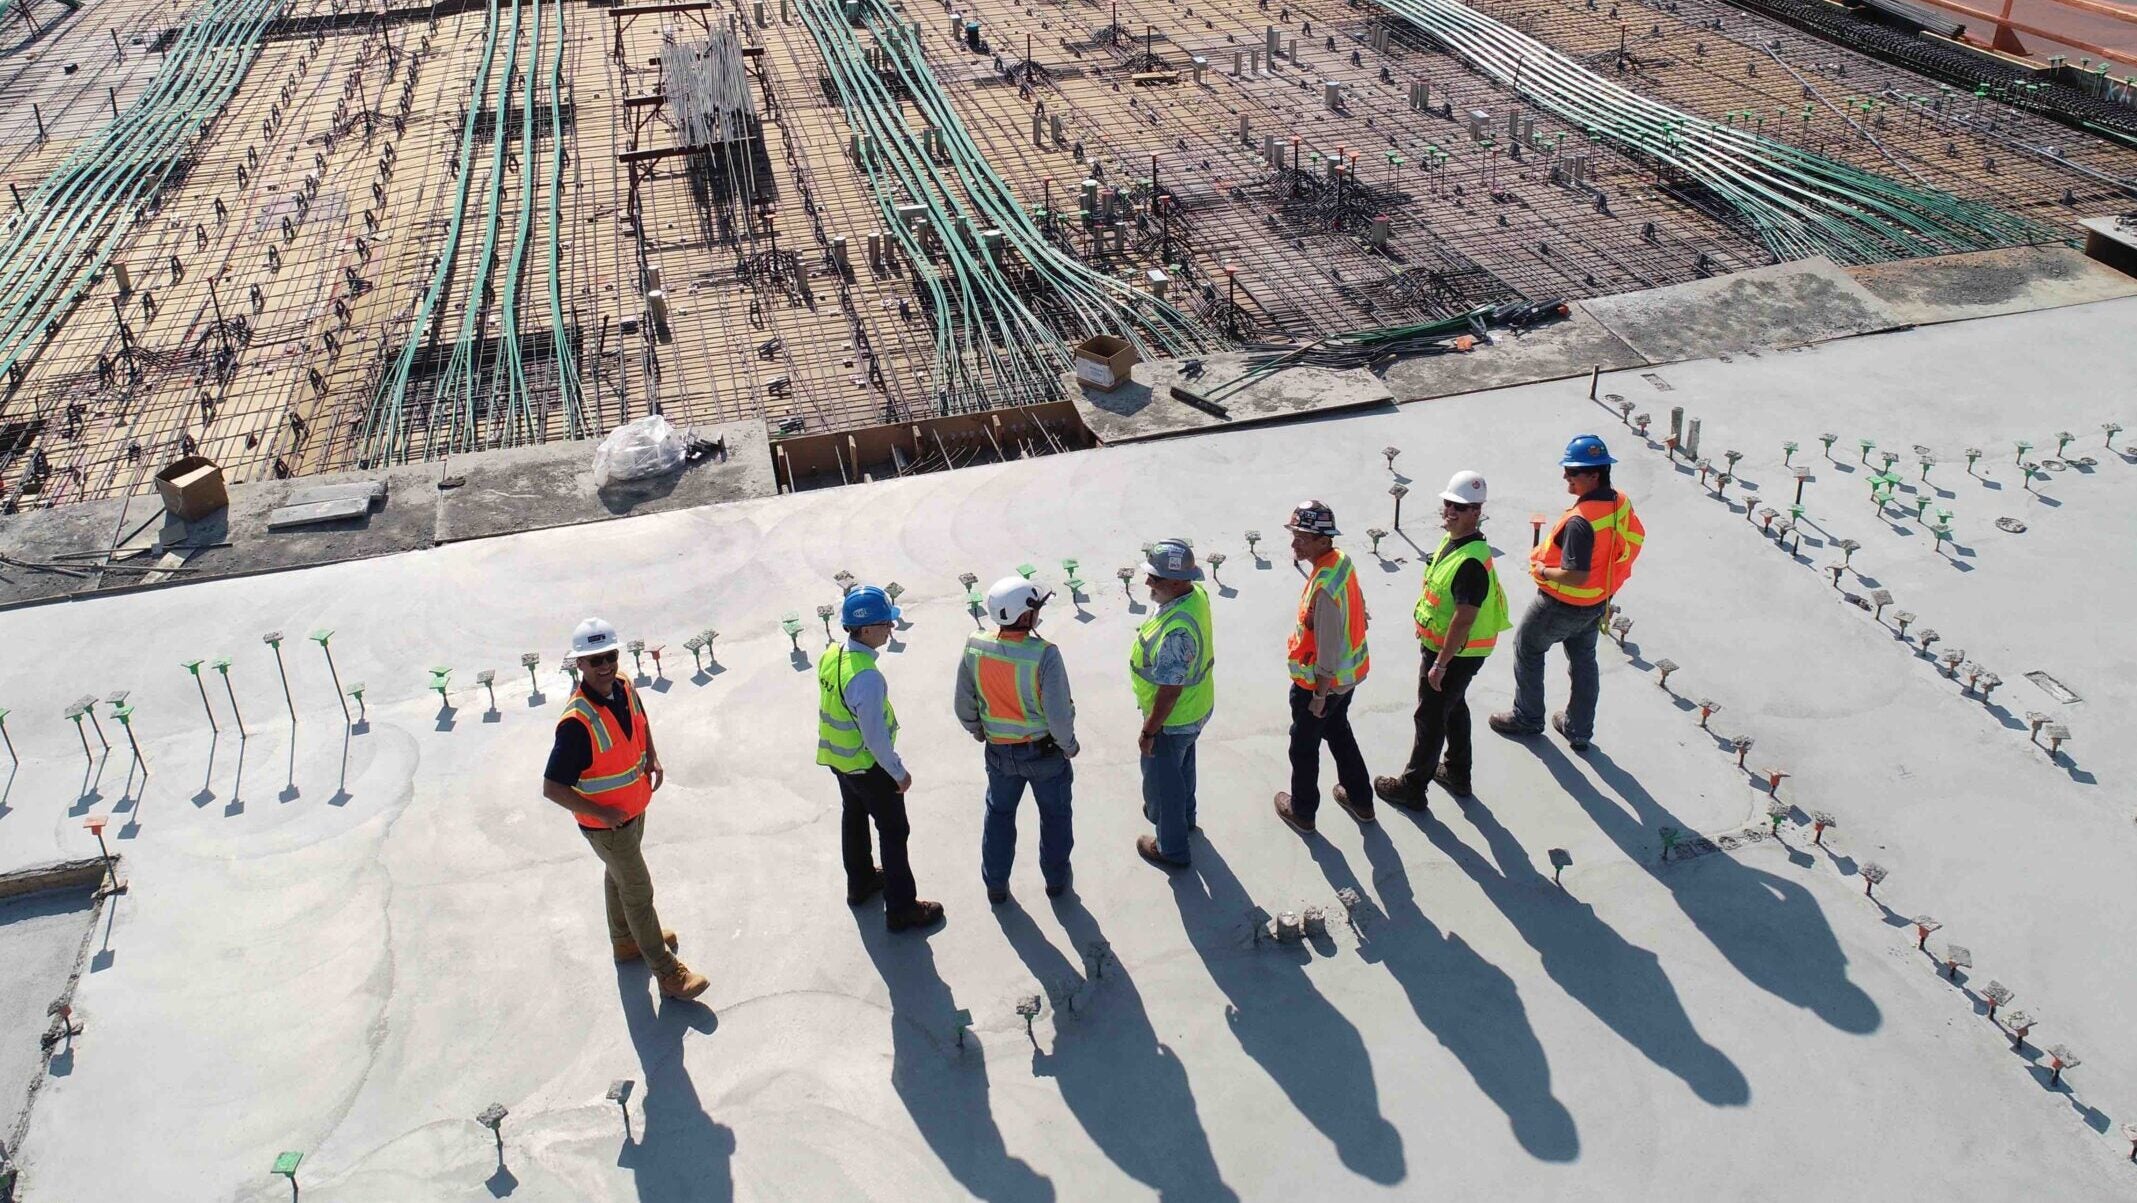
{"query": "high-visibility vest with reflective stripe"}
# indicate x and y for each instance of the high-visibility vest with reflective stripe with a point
(838, 736)
(1007, 667)
(617, 775)
(1436, 605)
(1334, 573)
(1198, 696)
(1618, 539)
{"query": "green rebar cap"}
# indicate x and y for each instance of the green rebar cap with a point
(321, 636)
(286, 1164)
(192, 666)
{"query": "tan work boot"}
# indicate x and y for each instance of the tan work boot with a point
(683, 983)
(628, 950)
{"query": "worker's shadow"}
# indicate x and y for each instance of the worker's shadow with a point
(943, 1087)
(681, 1153)
(1128, 1090)
(1471, 1005)
(1767, 926)
(1618, 981)
(1296, 1035)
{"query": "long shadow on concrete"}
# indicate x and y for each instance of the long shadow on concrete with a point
(944, 1089)
(1128, 1090)
(1467, 1002)
(1767, 926)
(682, 1154)
(1619, 982)
(1297, 1036)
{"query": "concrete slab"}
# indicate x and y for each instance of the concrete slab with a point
(1785, 305)
(529, 488)
(1985, 283)
(38, 536)
(1144, 408)
(1564, 348)
(40, 943)
(401, 932)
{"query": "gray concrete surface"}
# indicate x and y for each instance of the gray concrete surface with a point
(1785, 305)
(397, 931)
(1569, 347)
(1144, 408)
(1986, 283)
(528, 488)
(40, 941)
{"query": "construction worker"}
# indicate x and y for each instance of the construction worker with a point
(1169, 667)
(1459, 616)
(1577, 571)
(856, 737)
(604, 769)
(1327, 659)
(1013, 696)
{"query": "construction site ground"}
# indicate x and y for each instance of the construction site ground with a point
(325, 292)
(347, 940)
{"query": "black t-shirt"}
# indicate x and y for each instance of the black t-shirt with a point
(573, 751)
(1576, 539)
(1472, 585)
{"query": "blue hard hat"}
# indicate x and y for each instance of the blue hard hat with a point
(1586, 451)
(865, 607)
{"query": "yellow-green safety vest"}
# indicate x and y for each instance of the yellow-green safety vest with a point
(1435, 607)
(1199, 695)
(838, 736)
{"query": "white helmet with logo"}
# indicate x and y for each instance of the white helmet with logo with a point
(1467, 488)
(1011, 597)
(592, 638)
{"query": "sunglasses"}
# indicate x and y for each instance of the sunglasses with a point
(1462, 507)
(604, 660)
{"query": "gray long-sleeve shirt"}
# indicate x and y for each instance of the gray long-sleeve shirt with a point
(1053, 697)
(865, 693)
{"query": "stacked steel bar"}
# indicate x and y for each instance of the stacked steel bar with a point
(991, 347)
(72, 222)
(707, 90)
(1798, 203)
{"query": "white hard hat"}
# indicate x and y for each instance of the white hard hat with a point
(1011, 597)
(593, 637)
(1466, 488)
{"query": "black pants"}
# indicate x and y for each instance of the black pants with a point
(1442, 721)
(1307, 735)
(873, 794)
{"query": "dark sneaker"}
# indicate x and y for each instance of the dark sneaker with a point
(858, 894)
(1459, 789)
(997, 897)
(1284, 812)
(1391, 792)
(1363, 813)
(1056, 891)
(920, 914)
(1147, 847)
(1558, 724)
(1506, 722)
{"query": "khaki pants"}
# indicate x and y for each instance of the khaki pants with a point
(628, 891)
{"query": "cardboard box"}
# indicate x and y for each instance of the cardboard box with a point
(192, 488)
(1103, 361)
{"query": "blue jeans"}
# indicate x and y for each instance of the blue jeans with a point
(1169, 791)
(1009, 767)
(1548, 622)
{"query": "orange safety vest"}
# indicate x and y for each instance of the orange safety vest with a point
(1618, 539)
(1006, 668)
(617, 777)
(1334, 573)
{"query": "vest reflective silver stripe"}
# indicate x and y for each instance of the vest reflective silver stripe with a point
(585, 711)
(595, 785)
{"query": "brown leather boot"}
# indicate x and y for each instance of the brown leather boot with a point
(921, 914)
(627, 950)
(683, 983)
(1361, 811)
(1291, 817)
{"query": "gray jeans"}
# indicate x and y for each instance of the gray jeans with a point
(1550, 621)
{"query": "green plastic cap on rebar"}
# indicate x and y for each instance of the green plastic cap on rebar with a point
(193, 666)
(321, 635)
(286, 1164)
